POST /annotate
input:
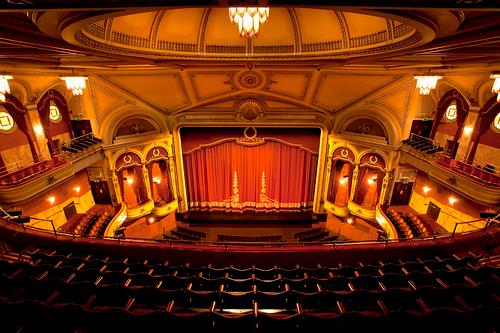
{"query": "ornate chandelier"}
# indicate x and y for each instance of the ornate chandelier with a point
(4, 86)
(495, 89)
(75, 83)
(249, 19)
(426, 83)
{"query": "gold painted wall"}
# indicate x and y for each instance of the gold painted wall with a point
(448, 217)
(56, 213)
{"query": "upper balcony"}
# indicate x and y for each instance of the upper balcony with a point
(23, 181)
(480, 185)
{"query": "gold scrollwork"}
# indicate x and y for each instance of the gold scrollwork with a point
(127, 159)
(250, 137)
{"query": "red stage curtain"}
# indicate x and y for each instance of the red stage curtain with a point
(368, 195)
(361, 185)
(139, 188)
(290, 174)
(164, 188)
(339, 170)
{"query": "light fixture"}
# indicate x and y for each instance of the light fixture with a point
(75, 83)
(51, 200)
(452, 200)
(151, 219)
(426, 189)
(130, 180)
(426, 83)
(343, 180)
(157, 180)
(496, 85)
(248, 19)
(467, 130)
(38, 129)
(350, 221)
(77, 189)
(4, 86)
(372, 180)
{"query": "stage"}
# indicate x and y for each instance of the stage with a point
(247, 219)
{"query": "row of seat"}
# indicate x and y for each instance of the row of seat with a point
(93, 223)
(80, 144)
(422, 144)
(402, 227)
(91, 298)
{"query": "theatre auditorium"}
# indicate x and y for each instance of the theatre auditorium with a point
(249, 166)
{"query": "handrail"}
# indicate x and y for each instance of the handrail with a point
(85, 136)
(227, 245)
(21, 164)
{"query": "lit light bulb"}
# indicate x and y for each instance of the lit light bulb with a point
(52, 200)
(452, 200)
(130, 180)
(157, 180)
(77, 189)
(426, 189)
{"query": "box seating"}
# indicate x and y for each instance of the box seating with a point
(87, 293)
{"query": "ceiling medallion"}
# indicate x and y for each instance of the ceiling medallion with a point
(249, 79)
(250, 109)
(248, 19)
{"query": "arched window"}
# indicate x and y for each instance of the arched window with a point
(451, 112)
(6, 122)
(496, 124)
(54, 114)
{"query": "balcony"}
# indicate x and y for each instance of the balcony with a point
(479, 185)
(26, 180)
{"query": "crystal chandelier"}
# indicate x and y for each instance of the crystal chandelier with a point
(426, 83)
(4, 86)
(249, 19)
(495, 89)
(76, 84)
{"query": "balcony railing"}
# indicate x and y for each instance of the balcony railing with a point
(476, 174)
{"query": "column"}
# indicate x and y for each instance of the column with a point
(116, 186)
(145, 175)
(385, 186)
(466, 135)
(354, 182)
(41, 140)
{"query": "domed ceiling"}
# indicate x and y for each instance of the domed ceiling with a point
(207, 33)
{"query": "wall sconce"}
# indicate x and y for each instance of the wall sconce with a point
(38, 129)
(52, 200)
(468, 130)
(350, 221)
(496, 85)
(151, 219)
(452, 200)
(77, 189)
(426, 189)
(343, 180)
(372, 180)
(156, 180)
(129, 180)
(4, 86)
